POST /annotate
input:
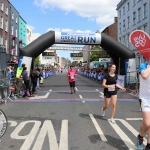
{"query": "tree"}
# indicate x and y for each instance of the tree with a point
(37, 60)
(94, 56)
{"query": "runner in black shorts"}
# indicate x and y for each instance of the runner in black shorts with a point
(110, 91)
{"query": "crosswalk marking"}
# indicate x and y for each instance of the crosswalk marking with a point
(99, 130)
(123, 136)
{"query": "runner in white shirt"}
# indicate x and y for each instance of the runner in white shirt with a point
(144, 95)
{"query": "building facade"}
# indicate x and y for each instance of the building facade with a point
(29, 34)
(86, 53)
(4, 32)
(14, 33)
(22, 32)
(132, 15)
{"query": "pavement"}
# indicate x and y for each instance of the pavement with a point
(56, 120)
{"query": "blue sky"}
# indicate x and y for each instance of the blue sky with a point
(67, 15)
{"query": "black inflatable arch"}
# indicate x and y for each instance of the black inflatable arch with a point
(46, 40)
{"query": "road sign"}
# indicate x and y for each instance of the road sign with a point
(104, 59)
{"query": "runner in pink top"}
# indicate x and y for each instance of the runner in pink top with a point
(72, 78)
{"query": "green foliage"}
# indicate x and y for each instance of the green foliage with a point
(37, 60)
(94, 56)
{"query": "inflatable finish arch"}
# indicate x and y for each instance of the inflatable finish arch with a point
(46, 40)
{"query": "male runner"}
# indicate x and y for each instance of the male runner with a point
(144, 95)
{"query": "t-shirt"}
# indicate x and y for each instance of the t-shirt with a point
(144, 90)
(72, 76)
(110, 81)
(25, 75)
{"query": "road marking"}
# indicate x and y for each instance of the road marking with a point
(101, 93)
(99, 130)
(12, 123)
(134, 118)
(123, 136)
(81, 98)
(40, 97)
(101, 96)
(76, 89)
(28, 138)
(96, 89)
(50, 90)
(48, 129)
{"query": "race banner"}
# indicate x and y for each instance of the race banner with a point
(77, 38)
(76, 54)
(141, 41)
(120, 80)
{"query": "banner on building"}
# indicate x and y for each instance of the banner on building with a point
(48, 54)
(120, 80)
(141, 40)
(27, 61)
(77, 58)
(76, 54)
(78, 38)
(104, 59)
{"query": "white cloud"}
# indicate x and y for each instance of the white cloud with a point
(102, 11)
(68, 30)
(32, 27)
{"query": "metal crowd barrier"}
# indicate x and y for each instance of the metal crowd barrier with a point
(131, 81)
(92, 75)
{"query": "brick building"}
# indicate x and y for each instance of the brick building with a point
(4, 32)
(112, 29)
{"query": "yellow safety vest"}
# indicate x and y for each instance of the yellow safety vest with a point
(19, 72)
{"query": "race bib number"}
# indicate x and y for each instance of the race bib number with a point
(72, 76)
(111, 89)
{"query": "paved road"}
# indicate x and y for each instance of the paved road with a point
(58, 120)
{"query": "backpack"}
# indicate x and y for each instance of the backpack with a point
(13, 74)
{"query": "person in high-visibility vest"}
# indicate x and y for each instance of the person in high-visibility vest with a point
(19, 79)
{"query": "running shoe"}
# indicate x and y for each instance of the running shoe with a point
(71, 93)
(74, 91)
(147, 148)
(112, 120)
(139, 143)
(103, 112)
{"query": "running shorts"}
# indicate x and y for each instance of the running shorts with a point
(72, 84)
(109, 94)
(145, 106)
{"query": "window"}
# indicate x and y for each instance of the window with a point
(134, 2)
(6, 25)
(139, 14)
(139, 28)
(16, 50)
(128, 6)
(134, 18)
(6, 44)
(128, 22)
(145, 10)
(128, 43)
(16, 19)
(120, 14)
(145, 28)
(119, 27)
(1, 22)
(123, 40)
(120, 39)
(124, 26)
(16, 33)
(12, 16)
(1, 40)
(2, 6)
(12, 30)
(124, 10)
(6, 10)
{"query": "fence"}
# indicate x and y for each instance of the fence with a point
(130, 81)
(11, 89)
